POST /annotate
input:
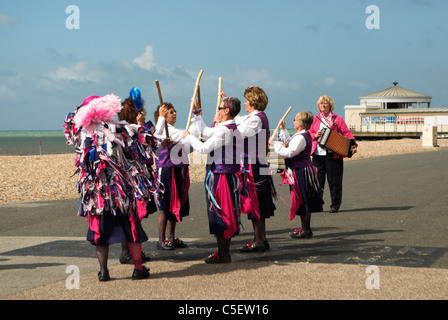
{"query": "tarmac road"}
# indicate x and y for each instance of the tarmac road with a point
(393, 216)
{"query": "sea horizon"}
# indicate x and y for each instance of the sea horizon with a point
(38, 142)
(33, 142)
(31, 132)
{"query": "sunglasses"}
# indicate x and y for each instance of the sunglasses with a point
(228, 103)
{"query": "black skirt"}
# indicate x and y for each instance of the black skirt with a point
(166, 197)
(265, 191)
(115, 229)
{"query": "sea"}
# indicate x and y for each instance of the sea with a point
(33, 142)
(37, 142)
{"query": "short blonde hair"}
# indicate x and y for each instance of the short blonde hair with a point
(325, 98)
(305, 118)
(257, 97)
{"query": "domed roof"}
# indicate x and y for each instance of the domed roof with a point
(396, 92)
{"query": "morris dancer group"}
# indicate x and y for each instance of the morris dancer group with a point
(128, 168)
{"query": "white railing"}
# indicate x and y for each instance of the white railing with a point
(395, 128)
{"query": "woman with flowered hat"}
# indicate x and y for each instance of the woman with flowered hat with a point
(112, 180)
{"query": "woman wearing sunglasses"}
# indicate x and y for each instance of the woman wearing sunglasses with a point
(258, 189)
(221, 180)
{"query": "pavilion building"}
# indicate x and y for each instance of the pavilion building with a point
(394, 112)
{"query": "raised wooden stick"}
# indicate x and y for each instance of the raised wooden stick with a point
(161, 104)
(196, 88)
(219, 94)
(279, 123)
(199, 97)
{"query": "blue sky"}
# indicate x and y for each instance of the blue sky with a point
(296, 50)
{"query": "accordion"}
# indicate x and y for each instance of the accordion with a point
(336, 142)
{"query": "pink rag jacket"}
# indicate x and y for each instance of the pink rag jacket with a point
(339, 125)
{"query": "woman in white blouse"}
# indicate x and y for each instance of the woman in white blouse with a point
(253, 128)
(300, 173)
(173, 178)
(221, 182)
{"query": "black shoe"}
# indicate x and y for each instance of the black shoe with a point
(140, 274)
(215, 258)
(179, 243)
(301, 234)
(103, 276)
(252, 247)
(333, 210)
(266, 244)
(126, 259)
(165, 245)
(145, 258)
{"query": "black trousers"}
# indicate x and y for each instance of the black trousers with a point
(333, 169)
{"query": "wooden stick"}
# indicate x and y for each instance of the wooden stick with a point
(161, 104)
(219, 94)
(159, 92)
(279, 123)
(199, 97)
(196, 87)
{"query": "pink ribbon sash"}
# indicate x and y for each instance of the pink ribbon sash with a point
(289, 177)
(227, 214)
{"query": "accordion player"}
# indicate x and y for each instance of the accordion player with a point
(336, 142)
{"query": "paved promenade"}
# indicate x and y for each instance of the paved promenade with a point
(393, 218)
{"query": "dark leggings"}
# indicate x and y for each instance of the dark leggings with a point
(333, 169)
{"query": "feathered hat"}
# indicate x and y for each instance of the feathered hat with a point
(96, 110)
(136, 96)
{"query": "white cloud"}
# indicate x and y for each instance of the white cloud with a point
(6, 93)
(254, 75)
(77, 72)
(7, 20)
(146, 60)
(264, 78)
(327, 82)
(357, 84)
(11, 85)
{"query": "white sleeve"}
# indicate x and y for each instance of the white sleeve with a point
(217, 140)
(240, 119)
(160, 127)
(205, 131)
(175, 134)
(249, 127)
(194, 128)
(296, 145)
(284, 135)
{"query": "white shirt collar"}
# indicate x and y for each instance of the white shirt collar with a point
(300, 132)
(227, 122)
(330, 115)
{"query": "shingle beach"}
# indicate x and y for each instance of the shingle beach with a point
(50, 177)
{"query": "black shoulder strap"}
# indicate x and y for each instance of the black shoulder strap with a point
(325, 124)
